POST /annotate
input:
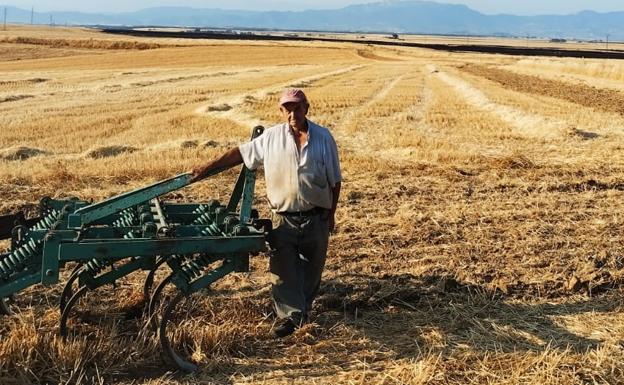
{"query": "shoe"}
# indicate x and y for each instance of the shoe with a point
(286, 328)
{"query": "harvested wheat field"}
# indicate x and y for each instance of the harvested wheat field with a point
(479, 232)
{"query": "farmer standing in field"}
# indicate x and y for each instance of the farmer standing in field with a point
(303, 179)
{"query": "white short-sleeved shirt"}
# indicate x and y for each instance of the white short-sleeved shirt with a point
(295, 181)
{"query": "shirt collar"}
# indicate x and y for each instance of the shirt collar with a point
(311, 127)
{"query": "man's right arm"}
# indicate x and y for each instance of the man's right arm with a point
(229, 159)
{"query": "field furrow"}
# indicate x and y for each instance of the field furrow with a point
(601, 99)
(598, 73)
(523, 123)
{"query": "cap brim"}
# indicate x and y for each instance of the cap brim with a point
(290, 100)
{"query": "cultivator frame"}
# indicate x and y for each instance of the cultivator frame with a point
(199, 243)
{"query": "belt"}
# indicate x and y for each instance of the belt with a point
(308, 213)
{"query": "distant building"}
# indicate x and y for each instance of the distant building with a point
(558, 40)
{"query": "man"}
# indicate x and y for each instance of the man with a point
(303, 179)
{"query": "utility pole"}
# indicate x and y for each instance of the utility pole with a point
(32, 15)
(607, 41)
(51, 20)
(4, 19)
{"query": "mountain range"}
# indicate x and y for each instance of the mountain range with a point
(394, 16)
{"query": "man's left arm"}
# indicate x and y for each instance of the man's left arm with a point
(332, 212)
(334, 176)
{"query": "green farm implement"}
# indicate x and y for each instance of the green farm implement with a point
(198, 243)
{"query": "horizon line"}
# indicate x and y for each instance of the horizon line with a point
(571, 13)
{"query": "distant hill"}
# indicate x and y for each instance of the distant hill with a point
(388, 16)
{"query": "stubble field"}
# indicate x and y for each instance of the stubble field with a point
(479, 233)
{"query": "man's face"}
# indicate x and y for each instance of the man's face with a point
(295, 114)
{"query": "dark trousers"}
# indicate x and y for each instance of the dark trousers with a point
(297, 258)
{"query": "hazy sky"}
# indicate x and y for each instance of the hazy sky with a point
(524, 7)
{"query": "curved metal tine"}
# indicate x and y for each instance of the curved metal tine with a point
(155, 300)
(68, 291)
(78, 267)
(149, 280)
(5, 307)
(67, 310)
(176, 359)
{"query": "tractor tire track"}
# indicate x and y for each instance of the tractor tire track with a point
(231, 108)
(601, 99)
(359, 141)
(521, 121)
(383, 92)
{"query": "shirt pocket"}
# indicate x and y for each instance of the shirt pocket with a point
(320, 174)
(313, 174)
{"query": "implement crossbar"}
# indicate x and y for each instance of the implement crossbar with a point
(141, 247)
(92, 213)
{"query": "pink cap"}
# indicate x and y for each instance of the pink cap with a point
(292, 95)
